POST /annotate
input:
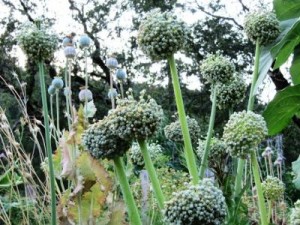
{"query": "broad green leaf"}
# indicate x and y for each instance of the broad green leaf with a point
(290, 31)
(269, 53)
(295, 68)
(286, 51)
(282, 108)
(287, 9)
(296, 170)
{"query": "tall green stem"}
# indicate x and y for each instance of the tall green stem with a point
(57, 111)
(241, 162)
(133, 212)
(48, 142)
(203, 165)
(188, 149)
(260, 197)
(152, 174)
(67, 95)
(254, 163)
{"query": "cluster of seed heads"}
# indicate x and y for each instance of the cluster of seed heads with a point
(155, 150)
(273, 188)
(102, 141)
(295, 215)
(38, 44)
(243, 133)
(231, 94)
(173, 130)
(134, 119)
(262, 27)
(200, 204)
(217, 69)
(161, 35)
(218, 150)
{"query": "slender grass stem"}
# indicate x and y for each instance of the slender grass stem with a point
(133, 212)
(203, 165)
(152, 174)
(188, 149)
(48, 142)
(260, 197)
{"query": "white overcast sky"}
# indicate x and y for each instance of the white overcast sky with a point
(59, 9)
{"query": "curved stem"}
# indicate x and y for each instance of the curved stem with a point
(260, 197)
(133, 212)
(188, 149)
(152, 174)
(241, 162)
(203, 165)
(48, 142)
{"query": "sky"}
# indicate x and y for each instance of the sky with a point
(59, 9)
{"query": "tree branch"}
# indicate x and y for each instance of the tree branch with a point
(201, 8)
(244, 7)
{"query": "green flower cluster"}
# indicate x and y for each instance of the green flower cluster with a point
(174, 133)
(231, 94)
(38, 44)
(295, 215)
(102, 141)
(243, 132)
(217, 69)
(273, 188)
(218, 150)
(262, 27)
(155, 150)
(161, 35)
(201, 204)
(134, 119)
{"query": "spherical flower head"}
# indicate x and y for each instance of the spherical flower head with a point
(121, 74)
(273, 188)
(217, 69)
(243, 132)
(67, 42)
(200, 204)
(136, 119)
(51, 90)
(174, 133)
(38, 44)
(136, 156)
(102, 141)
(218, 150)
(112, 93)
(262, 27)
(85, 95)
(84, 41)
(57, 83)
(67, 91)
(231, 94)
(70, 52)
(112, 63)
(295, 215)
(160, 35)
